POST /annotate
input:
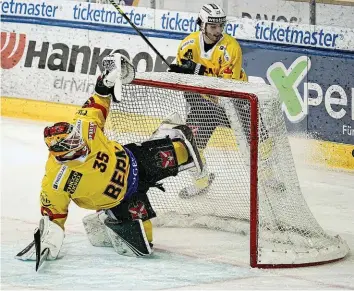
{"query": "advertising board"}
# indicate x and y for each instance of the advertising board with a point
(51, 51)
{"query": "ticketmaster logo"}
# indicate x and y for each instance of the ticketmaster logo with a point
(271, 33)
(91, 13)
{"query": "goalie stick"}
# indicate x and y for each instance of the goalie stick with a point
(41, 256)
(121, 12)
(25, 250)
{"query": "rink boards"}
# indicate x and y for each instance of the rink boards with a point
(49, 74)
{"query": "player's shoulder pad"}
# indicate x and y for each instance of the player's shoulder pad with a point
(190, 40)
(230, 42)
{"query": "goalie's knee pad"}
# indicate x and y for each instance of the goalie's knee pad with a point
(137, 207)
(128, 237)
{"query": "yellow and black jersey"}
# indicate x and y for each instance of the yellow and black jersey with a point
(223, 60)
(99, 180)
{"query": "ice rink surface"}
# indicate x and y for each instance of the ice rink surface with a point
(184, 259)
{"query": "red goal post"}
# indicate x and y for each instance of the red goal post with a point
(256, 191)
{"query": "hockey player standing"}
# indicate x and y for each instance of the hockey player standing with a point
(209, 52)
(85, 167)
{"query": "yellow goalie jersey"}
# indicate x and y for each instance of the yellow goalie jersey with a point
(99, 180)
(223, 60)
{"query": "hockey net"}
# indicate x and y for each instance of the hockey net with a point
(255, 191)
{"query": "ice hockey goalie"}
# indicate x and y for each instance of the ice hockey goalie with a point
(96, 173)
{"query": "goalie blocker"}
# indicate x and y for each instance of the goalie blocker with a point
(127, 226)
(46, 245)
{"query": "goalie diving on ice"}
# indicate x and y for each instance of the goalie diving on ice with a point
(96, 173)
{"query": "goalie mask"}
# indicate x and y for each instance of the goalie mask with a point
(212, 20)
(64, 140)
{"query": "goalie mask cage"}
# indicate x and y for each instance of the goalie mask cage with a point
(255, 191)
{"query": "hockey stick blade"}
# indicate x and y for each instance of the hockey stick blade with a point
(25, 250)
(41, 256)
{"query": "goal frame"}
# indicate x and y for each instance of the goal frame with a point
(254, 141)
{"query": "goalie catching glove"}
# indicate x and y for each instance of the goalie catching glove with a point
(188, 67)
(117, 71)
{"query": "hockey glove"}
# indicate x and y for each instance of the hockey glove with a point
(116, 69)
(188, 67)
(52, 236)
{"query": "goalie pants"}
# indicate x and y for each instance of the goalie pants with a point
(156, 160)
(205, 115)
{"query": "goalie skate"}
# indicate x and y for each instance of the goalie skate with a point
(200, 186)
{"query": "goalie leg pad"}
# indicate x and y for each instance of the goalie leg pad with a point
(128, 238)
(157, 159)
(191, 146)
(96, 230)
(180, 132)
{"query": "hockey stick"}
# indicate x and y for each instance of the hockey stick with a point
(121, 12)
(41, 256)
(25, 251)
(34, 246)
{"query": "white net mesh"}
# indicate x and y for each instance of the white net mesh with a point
(287, 233)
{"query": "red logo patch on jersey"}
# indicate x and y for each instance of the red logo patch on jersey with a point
(167, 159)
(92, 131)
(138, 210)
